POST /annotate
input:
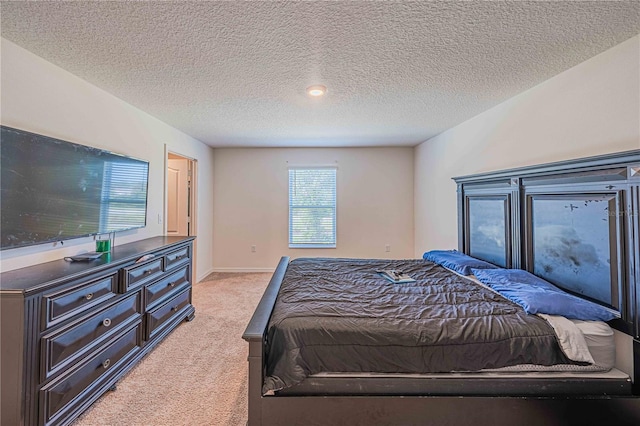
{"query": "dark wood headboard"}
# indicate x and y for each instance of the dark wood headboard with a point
(575, 223)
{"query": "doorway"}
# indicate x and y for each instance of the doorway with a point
(180, 197)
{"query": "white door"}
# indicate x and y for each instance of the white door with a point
(178, 187)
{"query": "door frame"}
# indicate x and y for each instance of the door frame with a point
(193, 198)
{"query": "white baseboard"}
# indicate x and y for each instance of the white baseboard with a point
(205, 275)
(243, 270)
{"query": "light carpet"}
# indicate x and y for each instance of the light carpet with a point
(198, 374)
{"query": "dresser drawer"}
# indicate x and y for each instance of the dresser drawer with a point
(77, 299)
(65, 346)
(167, 286)
(137, 275)
(58, 398)
(177, 257)
(163, 314)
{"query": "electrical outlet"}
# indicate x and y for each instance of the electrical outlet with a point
(253, 249)
(387, 248)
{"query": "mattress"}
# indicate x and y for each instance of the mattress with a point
(338, 315)
(600, 341)
(494, 383)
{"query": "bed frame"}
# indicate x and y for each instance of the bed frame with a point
(506, 218)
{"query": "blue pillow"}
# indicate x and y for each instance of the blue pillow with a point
(456, 261)
(500, 278)
(538, 296)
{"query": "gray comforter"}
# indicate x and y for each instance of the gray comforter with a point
(339, 315)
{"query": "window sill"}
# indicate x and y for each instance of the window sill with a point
(311, 246)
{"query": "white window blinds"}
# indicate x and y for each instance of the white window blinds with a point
(124, 196)
(312, 208)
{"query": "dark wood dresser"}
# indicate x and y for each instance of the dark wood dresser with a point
(70, 330)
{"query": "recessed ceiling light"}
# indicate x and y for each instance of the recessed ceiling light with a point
(317, 90)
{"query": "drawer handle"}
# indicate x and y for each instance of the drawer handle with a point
(106, 363)
(172, 284)
(148, 271)
(106, 322)
(89, 296)
(174, 308)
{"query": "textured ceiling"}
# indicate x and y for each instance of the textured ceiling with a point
(397, 73)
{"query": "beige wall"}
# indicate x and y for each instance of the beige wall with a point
(42, 98)
(591, 109)
(250, 186)
(588, 110)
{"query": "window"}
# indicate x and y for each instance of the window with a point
(312, 208)
(124, 196)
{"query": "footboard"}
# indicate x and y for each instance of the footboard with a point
(255, 334)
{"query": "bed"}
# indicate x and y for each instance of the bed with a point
(318, 357)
